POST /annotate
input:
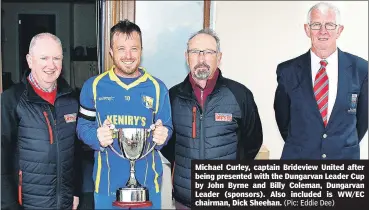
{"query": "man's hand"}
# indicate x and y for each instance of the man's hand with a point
(160, 132)
(105, 134)
(75, 202)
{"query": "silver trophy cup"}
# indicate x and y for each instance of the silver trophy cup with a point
(133, 146)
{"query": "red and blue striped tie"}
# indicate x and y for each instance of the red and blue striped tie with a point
(321, 90)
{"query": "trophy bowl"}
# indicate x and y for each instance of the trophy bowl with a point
(133, 146)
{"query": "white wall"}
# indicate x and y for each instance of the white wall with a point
(11, 50)
(256, 36)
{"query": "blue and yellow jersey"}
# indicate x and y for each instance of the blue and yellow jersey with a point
(135, 105)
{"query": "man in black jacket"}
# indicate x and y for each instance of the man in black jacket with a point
(214, 118)
(38, 120)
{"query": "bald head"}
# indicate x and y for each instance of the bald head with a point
(44, 37)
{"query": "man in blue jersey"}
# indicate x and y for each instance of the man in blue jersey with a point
(125, 96)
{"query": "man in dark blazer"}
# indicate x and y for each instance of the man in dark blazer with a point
(321, 102)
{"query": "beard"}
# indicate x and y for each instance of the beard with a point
(125, 69)
(202, 71)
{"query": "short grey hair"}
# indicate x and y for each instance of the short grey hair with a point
(207, 31)
(42, 35)
(323, 7)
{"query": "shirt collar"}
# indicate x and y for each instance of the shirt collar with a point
(35, 84)
(333, 58)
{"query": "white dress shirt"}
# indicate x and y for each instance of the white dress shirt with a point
(332, 73)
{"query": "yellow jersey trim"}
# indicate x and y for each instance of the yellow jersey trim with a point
(115, 78)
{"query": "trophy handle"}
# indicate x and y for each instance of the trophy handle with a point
(117, 153)
(142, 156)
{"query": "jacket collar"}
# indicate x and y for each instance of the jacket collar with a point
(62, 89)
(185, 87)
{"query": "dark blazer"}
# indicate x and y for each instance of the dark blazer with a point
(299, 120)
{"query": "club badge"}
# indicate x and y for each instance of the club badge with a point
(147, 101)
(223, 117)
(353, 104)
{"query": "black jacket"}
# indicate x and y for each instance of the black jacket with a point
(37, 148)
(228, 128)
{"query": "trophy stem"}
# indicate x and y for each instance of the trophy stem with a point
(132, 181)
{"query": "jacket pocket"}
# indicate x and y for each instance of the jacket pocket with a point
(49, 128)
(20, 177)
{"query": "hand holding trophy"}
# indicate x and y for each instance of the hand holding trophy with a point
(160, 132)
(104, 134)
(133, 146)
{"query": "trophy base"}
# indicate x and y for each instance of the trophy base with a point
(140, 204)
(132, 198)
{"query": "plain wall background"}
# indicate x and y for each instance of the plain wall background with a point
(256, 36)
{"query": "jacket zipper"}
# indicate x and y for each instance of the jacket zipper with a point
(202, 98)
(202, 132)
(202, 137)
(57, 168)
(20, 177)
(194, 122)
(58, 158)
(51, 137)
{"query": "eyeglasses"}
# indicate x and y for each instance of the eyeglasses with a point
(205, 52)
(318, 26)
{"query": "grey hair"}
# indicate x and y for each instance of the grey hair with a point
(207, 31)
(323, 7)
(42, 35)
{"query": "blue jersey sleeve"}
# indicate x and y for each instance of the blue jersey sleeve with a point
(164, 112)
(86, 124)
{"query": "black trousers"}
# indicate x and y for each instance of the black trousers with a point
(86, 201)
